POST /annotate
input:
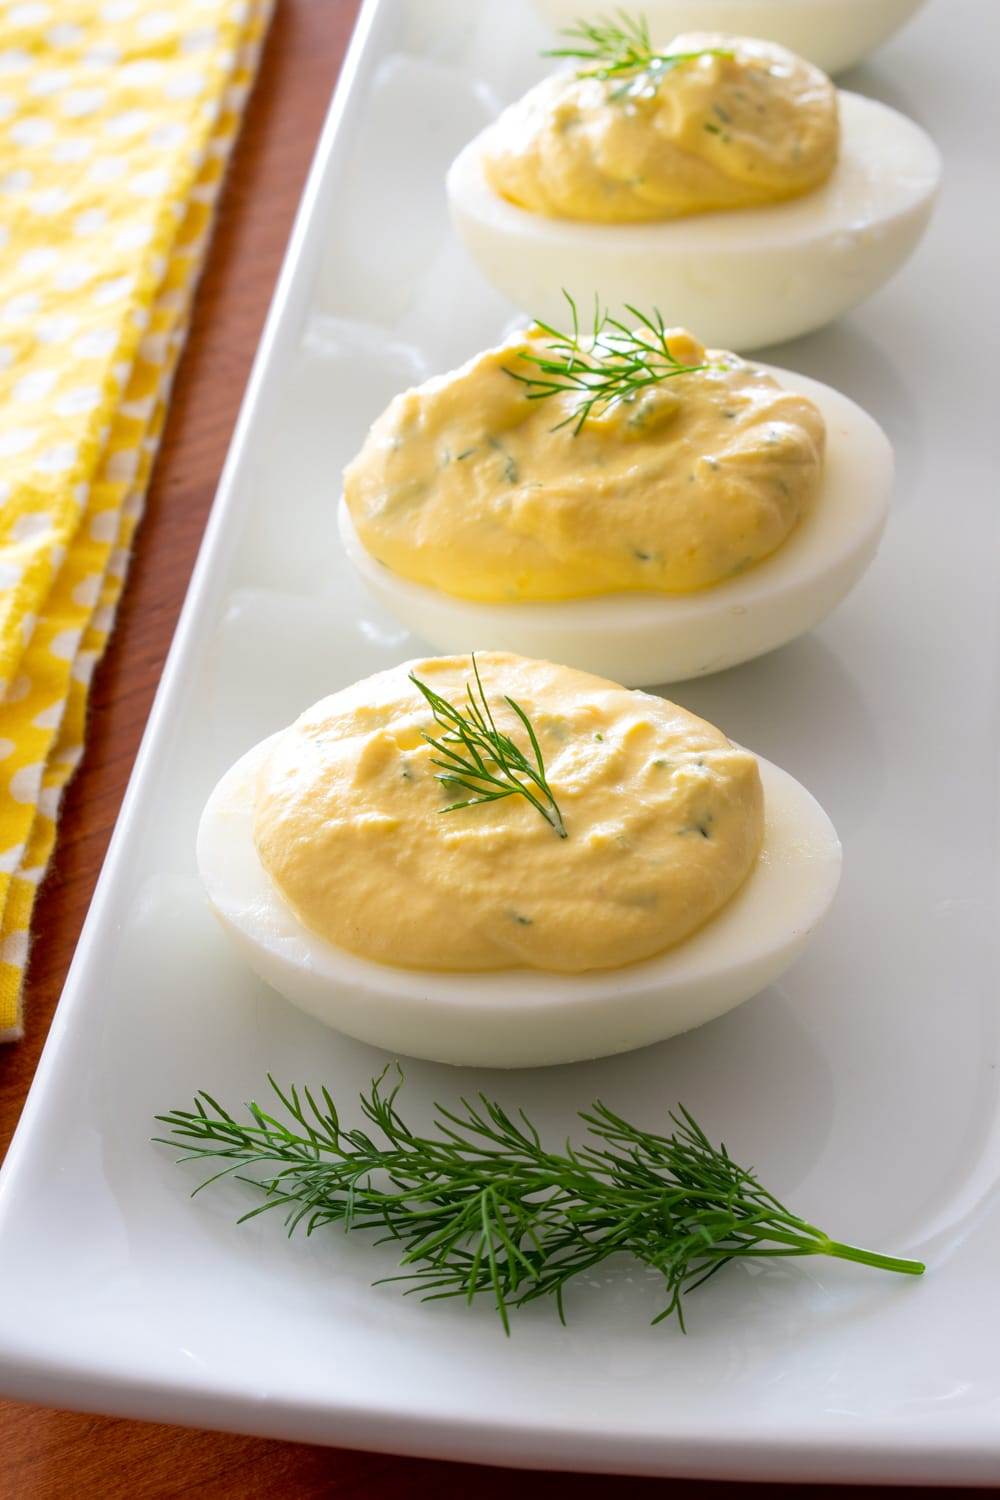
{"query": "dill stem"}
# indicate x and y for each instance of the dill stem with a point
(873, 1258)
(812, 1241)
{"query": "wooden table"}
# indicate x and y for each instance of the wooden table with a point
(47, 1454)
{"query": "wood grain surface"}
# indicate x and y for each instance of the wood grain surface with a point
(47, 1455)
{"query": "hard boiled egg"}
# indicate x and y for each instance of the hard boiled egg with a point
(519, 1015)
(643, 638)
(834, 34)
(743, 277)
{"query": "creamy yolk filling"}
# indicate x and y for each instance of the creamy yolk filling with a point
(664, 820)
(467, 485)
(756, 126)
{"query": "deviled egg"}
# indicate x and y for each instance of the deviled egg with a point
(724, 179)
(501, 862)
(834, 34)
(631, 504)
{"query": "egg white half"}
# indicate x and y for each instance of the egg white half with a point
(521, 1018)
(833, 34)
(643, 638)
(739, 278)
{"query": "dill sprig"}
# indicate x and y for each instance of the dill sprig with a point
(611, 364)
(620, 47)
(482, 1206)
(479, 758)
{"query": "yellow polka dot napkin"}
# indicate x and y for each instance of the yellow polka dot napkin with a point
(116, 122)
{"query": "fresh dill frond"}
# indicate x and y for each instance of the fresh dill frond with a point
(610, 365)
(621, 40)
(482, 1206)
(620, 47)
(477, 757)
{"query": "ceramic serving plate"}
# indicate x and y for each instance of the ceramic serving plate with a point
(864, 1087)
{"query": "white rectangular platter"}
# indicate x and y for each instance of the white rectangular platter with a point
(864, 1087)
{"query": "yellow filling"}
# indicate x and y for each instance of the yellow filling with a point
(718, 132)
(467, 485)
(664, 821)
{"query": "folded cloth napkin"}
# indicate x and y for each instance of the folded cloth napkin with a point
(116, 122)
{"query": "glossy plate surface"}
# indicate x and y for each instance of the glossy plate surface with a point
(864, 1086)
